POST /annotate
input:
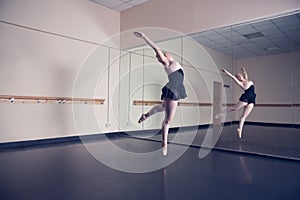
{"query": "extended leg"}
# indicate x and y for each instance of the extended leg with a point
(237, 106)
(246, 113)
(155, 109)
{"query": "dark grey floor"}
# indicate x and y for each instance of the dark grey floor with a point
(71, 172)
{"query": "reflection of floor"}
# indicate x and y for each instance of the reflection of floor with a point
(268, 141)
(70, 172)
(276, 141)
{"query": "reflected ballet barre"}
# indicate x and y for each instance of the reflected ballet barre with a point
(48, 100)
(151, 102)
(278, 105)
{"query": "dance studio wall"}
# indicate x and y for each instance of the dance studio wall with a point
(276, 80)
(191, 16)
(43, 44)
(228, 62)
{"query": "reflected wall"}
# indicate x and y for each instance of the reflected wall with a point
(269, 50)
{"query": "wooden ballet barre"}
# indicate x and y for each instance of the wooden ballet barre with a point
(145, 103)
(271, 105)
(268, 105)
(150, 103)
(277, 105)
(193, 104)
(48, 100)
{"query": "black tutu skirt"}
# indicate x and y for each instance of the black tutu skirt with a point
(248, 98)
(249, 95)
(174, 89)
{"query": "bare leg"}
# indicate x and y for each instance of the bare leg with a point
(155, 109)
(170, 110)
(246, 113)
(237, 106)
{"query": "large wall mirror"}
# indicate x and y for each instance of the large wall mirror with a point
(268, 48)
(270, 51)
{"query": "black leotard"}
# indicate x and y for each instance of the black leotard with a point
(174, 89)
(249, 95)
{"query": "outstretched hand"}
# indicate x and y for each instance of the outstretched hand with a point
(243, 69)
(223, 70)
(138, 34)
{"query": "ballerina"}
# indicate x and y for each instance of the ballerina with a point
(171, 92)
(246, 101)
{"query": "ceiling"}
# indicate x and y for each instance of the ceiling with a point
(119, 5)
(264, 37)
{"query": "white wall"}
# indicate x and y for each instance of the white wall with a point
(197, 15)
(276, 82)
(81, 19)
(225, 61)
(43, 46)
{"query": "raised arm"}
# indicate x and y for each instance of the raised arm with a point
(233, 77)
(245, 73)
(157, 50)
